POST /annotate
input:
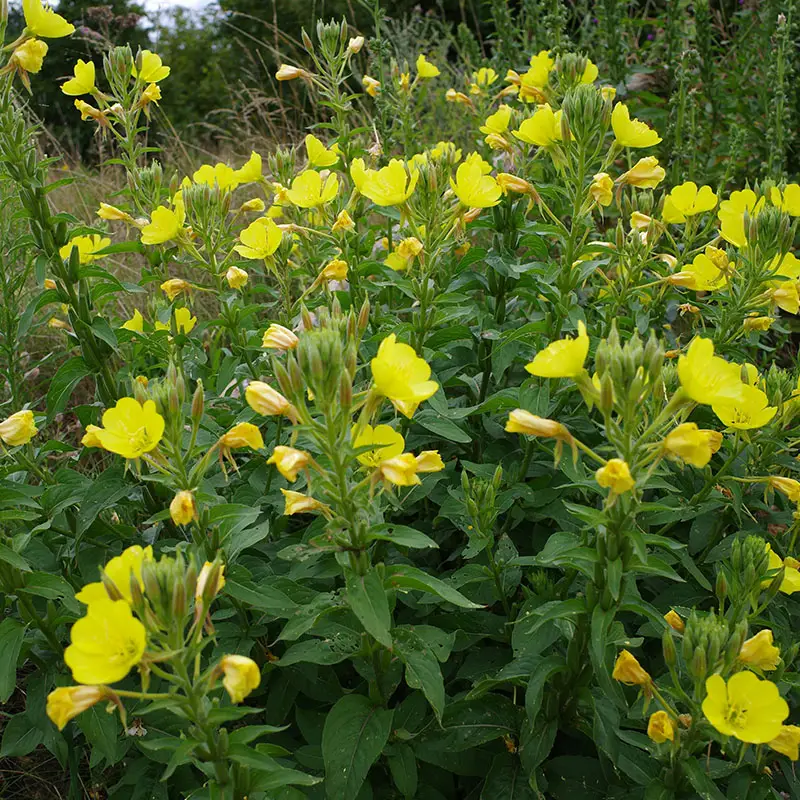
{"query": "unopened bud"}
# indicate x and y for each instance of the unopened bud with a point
(198, 402)
(668, 648)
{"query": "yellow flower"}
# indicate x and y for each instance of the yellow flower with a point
(359, 173)
(791, 575)
(385, 443)
(563, 358)
(452, 96)
(687, 200)
(788, 200)
(732, 212)
(152, 70)
(256, 204)
(183, 508)
(485, 76)
(631, 132)
(131, 429)
(289, 461)
(264, 400)
(29, 56)
(371, 86)
(175, 286)
(748, 708)
(90, 112)
(318, 154)
(344, 222)
(400, 470)
(260, 239)
(615, 475)
(184, 321)
(787, 742)
(42, 21)
(541, 66)
(244, 434)
(208, 571)
(702, 275)
(18, 429)
(66, 702)
(276, 337)
(106, 643)
(309, 191)
(705, 377)
(297, 503)
(83, 82)
(759, 651)
(542, 129)
(250, 171)
(788, 486)
(498, 122)
(590, 72)
(693, 445)
(237, 278)
(151, 94)
(673, 619)
(756, 323)
(646, 173)
(121, 571)
(112, 213)
(660, 727)
(90, 438)
(220, 175)
(629, 671)
(399, 374)
(425, 69)
(165, 224)
(86, 246)
(242, 676)
(429, 461)
(747, 410)
(287, 72)
(608, 93)
(521, 421)
(390, 186)
(602, 189)
(473, 188)
(335, 270)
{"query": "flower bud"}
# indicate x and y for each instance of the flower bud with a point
(668, 648)
(355, 44)
(183, 508)
(264, 400)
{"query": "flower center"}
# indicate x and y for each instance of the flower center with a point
(737, 716)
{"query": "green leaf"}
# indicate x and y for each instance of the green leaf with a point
(320, 651)
(703, 784)
(69, 374)
(264, 597)
(109, 487)
(507, 781)
(13, 558)
(542, 672)
(354, 735)
(443, 427)
(402, 535)
(20, 737)
(405, 578)
(367, 599)
(403, 767)
(11, 636)
(599, 652)
(43, 584)
(422, 668)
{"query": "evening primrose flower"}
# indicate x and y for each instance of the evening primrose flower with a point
(631, 132)
(120, 572)
(243, 434)
(791, 575)
(165, 224)
(759, 651)
(319, 155)
(184, 322)
(384, 442)
(787, 742)
(343, 222)
(673, 619)
(220, 175)
(521, 421)
(541, 65)
(746, 707)
(732, 212)
(41, 20)
(542, 129)
(401, 470)
(109, 212)
(298, 503)
(308, 190)
(787, 200)
(131, 429)
(183, 508)
(391, 185)
(66, 702)
(706, 378)
(237, 278)
(629, 671)
(602, 189)
(174, 287)
(260, 239)
(250, 171)
(276, 337)
(105, 644)
(756, 323)
(152, 69)
(359, 173)
(687, 200)
(425, 69)
(289, 461)
(590, 72)
(660, 727)
(208, 572)
(747, 410)
(616, 476)
(702, 275)
(87, 247)
(334, 270)
(401, 375)
(498, 122)
(83, 81)
(90, 438)
(135, 323)
(646, 173)
(562, 359)
(429, 461)
(787, 486)
(18, 429)
(286, 72)
(28, 57)
(241, 676)
(692, 445)
(473, 188)
(266, 401)
(371, 86)
(485, 76)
